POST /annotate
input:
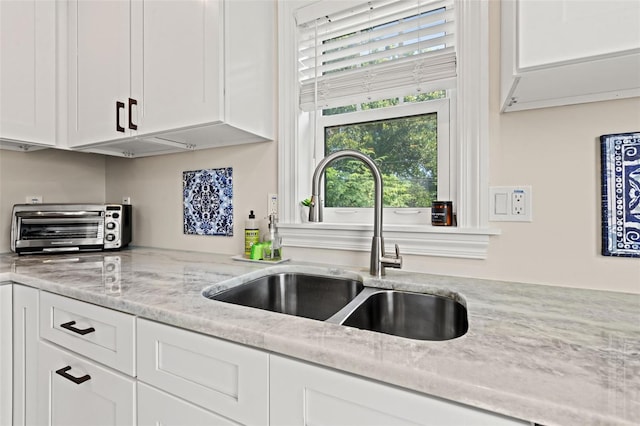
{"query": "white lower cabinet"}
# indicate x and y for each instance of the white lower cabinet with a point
(76, 391)
(25, 355)
(160, 408)
(304, 394)
(6, 355)
(186, 378)
(224, 378)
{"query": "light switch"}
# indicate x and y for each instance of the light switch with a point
(510, 203)
(501, 203)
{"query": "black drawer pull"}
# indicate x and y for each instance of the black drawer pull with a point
(119, 106)
(69, 326)
(76, 380)
(131, 125)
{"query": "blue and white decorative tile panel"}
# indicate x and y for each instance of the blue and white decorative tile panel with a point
(621, 194)
(208, 201)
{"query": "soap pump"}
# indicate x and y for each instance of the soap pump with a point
(276, 242)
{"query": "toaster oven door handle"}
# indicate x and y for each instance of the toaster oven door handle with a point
(53, 221)
(60, 214)
(70, 326)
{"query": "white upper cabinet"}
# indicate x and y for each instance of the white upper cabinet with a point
(99, 68)
(175, 60)
(568, 51)
(27, 73)
(169, 76)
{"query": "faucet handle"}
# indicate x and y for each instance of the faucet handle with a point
(392, 262)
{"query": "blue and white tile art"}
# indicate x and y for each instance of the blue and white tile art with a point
(208, 201)
(621, 194)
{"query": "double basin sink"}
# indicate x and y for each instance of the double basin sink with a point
(348, 302)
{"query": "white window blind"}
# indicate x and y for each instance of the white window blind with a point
(354, 51)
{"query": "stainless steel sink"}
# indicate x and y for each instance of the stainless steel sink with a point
(308, 296)
(413, 315)
(345, 300)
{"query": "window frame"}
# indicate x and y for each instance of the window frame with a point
(470, 238)
(446, 175)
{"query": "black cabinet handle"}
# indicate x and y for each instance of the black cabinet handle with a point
(76, 380)
(119, 106)
(70, 326)
(131, 125)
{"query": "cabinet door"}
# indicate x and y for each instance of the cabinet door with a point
(175, 63)
(28, 71)
(229, 379)
(159, 408)
(74, 391)
(6, 362)
(303, 394)
(99, 70)
(25, 354)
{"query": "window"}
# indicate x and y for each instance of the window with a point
(368, 74)
(351, 70)
(407, 142)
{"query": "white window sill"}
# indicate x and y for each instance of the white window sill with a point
(469, 243)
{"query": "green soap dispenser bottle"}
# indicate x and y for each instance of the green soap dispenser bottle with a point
(251, 234)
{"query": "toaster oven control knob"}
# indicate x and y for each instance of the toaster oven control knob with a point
(110, 237)
(111, 225)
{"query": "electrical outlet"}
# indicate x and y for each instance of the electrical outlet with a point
(33, 199)
(510, 203)
(126, 200)
(272, 207)
(518, 200)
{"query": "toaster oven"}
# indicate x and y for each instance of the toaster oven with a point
(47, 228)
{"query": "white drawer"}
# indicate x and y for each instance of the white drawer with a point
(223, 377)
(102, 334)
(75, 391)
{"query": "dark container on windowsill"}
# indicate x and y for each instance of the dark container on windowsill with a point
(442, 213)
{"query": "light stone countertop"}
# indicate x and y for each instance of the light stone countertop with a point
(551, 355)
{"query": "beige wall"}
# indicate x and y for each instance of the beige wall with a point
(155, 187)
(59, 176)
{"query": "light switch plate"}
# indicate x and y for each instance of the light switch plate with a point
(510, 204)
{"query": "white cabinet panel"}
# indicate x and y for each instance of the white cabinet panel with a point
(25, 355)
(566, 30)
(568, 52)
(175, 63)
(6, 355)
(250, 66)
(74, 391)
(102, 334)
(226, 378)
(28, 71)
(159, 408)
(303, 394)
(99, 70)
